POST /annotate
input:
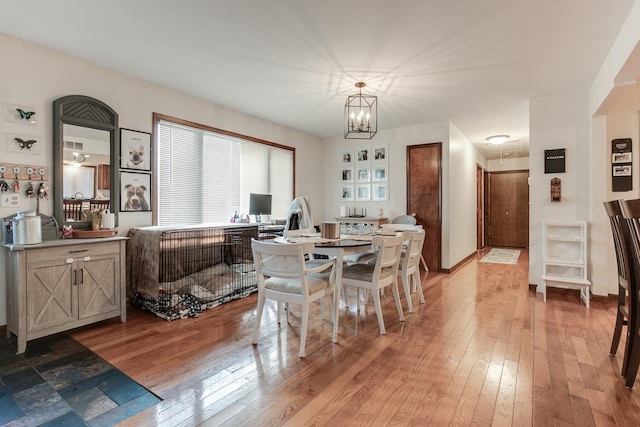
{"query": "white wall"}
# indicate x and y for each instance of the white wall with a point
(463, 158)
(38, 76)
(559, 121)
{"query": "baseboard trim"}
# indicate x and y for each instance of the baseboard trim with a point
(460, 264)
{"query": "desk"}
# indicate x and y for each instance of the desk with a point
(336, 249)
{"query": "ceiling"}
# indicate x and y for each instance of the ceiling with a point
(294, 62)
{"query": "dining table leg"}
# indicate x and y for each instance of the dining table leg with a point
(336, 293)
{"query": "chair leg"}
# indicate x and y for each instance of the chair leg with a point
(617, 331)
(418, 284)
(407, 292)
(376, 302)
(303, 329)
(259, 310)
(396, 297)
(628, 348)
(632, 365)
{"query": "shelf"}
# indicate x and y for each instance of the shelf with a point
(560, 238)
(564, 257)
(566, 262)
(566, 279)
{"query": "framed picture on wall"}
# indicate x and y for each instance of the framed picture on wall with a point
(135, 150)
(346, 157)
(135, 192)
(346, 193)
(347, 175)
(379, 153)
(379, 172)
(379, 191)
(363, 192)
(362, 174)
(363, 154)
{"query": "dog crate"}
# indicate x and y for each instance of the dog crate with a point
(177, 272)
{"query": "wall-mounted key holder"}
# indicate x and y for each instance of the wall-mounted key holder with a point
(556, 190)
(24, 172)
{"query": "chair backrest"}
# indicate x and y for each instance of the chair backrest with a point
(280, 260)
(73, 210)
(411, 257)
(389, 249)
(621, 245)
(404, 219)
(100, 205)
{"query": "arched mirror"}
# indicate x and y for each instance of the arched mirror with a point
(85, 159)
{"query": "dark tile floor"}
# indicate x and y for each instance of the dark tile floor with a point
(59, 382)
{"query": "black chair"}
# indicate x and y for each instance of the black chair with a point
(631, 234)
(623, 247)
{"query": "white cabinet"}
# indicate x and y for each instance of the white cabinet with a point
(564, 257)
(60, 285)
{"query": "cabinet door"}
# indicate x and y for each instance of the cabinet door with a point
(104, 177)
(98, 290)
(50, 295)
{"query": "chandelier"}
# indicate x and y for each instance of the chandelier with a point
(360, 115)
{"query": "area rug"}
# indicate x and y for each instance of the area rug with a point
(502, 256)
(58, 381)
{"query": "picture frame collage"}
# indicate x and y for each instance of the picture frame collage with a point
(135, 171)
(364, 173)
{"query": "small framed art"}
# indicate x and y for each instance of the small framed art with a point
(363, 192)
(362, 154)
(347, 175)
(379, 172)
(362, 174)
(379, 191)
(135, 150)
(346, 157)
(379, 153)
(346, 193)
(135, 192)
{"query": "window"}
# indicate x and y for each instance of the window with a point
(205, 175)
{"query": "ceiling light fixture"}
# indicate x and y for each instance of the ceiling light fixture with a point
(360, 115)
(78, 159)
(498, 139)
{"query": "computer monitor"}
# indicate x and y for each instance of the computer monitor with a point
(259, 204)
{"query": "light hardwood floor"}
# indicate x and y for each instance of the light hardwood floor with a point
(483, 350)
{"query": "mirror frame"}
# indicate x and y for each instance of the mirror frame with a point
(89, 112)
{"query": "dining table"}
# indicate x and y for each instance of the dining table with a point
(336, 249)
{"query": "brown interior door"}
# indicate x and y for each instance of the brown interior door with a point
(508, 209)
(424, 177)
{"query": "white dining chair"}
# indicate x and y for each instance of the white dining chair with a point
(409, 266)
(284, 276)
(376, 276)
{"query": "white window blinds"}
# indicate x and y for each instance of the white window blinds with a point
(206, 176)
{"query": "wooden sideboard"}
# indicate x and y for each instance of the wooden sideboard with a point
(63, 284)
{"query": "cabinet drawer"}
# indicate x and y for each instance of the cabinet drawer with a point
(72, 251)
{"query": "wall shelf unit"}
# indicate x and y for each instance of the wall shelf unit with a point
(564, 257)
